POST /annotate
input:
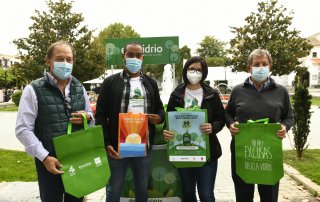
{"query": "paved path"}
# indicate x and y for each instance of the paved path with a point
(290, 191)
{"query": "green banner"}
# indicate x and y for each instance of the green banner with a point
(258, 151)
(157, 50)
(164, 182)
(190, 146)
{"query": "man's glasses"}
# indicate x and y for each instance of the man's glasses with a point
(67, 104)
(198, 71)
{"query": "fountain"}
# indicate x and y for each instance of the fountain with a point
(167, 83)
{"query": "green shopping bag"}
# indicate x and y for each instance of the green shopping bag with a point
(258, 152)
(84, 160)
(189, 147)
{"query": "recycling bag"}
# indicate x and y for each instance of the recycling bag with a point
(84, 160)
(132, 135)
(190, 146)
(258, 152)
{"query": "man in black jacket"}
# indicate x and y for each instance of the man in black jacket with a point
(118, 96)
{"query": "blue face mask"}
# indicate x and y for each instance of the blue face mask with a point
(62, 70)
(133, 65)
(260, 73)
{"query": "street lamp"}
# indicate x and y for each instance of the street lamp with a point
(225, 80)
(6, 84)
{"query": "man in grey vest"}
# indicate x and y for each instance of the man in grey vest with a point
(46, 107)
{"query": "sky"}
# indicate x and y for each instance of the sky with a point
(190, 20)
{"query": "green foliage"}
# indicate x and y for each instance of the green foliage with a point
(115, 30)
(211, 47)
(6, 77)
(269, 28)
(16, 166)
(59, 23)
(216, 61)
(185, 53)
(16, 97)
(308, 166)
(302, 115)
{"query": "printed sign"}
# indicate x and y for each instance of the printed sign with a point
(132, 137)
(156, 50)
(189, 147)
(259, 158)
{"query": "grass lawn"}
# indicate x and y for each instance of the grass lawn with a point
(9, 109)
(315, 101)
(16, 166)
(308, 166)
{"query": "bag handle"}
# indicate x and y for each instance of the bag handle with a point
(264, 121)
(85, 124)
(194, 108)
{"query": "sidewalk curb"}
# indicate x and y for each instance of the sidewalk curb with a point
(312, 187)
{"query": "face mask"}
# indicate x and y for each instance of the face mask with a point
(260, 73)
(133, 65)
(62, 70)
(194, 77)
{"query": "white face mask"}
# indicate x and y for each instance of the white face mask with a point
(194, 77)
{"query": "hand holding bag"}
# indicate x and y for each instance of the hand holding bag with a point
(84, 160)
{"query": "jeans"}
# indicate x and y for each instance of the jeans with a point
(245, 192)
(204, 177)
(51, 187)
(140, 168)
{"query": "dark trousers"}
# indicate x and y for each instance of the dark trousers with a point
(51, 187)
(203, 177)
(245, 192)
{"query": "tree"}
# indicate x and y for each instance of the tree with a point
(185, 53)
(213, 51)
(211, 47)
(115, 30)
(59, 23)
(268, 28)
(302, 114)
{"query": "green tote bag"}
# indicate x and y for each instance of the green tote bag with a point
(84, 160)
(258, 152)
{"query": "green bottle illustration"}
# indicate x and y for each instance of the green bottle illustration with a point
(186, 139)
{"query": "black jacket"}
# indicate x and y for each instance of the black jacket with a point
(211, 101)
(109, 103)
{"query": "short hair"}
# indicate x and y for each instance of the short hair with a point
(58, 43)
(190, 61)
(259, 52)
(131, 43)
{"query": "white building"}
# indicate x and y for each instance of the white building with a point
(8, 60)
(312, 61)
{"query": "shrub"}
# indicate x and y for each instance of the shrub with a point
(16, 97)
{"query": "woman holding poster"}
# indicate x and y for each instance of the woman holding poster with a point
(194, 92)
(258, 97)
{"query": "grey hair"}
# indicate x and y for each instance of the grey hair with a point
(259, 52)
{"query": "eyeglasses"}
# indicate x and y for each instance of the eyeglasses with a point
(67, 104)
(198, 71)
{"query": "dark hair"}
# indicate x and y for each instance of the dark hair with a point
(189, 62)
(131, 43)
(58, 43)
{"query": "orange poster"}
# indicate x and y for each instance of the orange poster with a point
(132, 134)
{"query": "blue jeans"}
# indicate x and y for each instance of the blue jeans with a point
(204, 177)
(140, 168)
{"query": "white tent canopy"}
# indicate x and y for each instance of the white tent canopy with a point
(101, 78)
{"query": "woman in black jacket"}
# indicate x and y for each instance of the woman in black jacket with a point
(188, 94)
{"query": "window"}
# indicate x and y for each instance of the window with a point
(314, 54)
